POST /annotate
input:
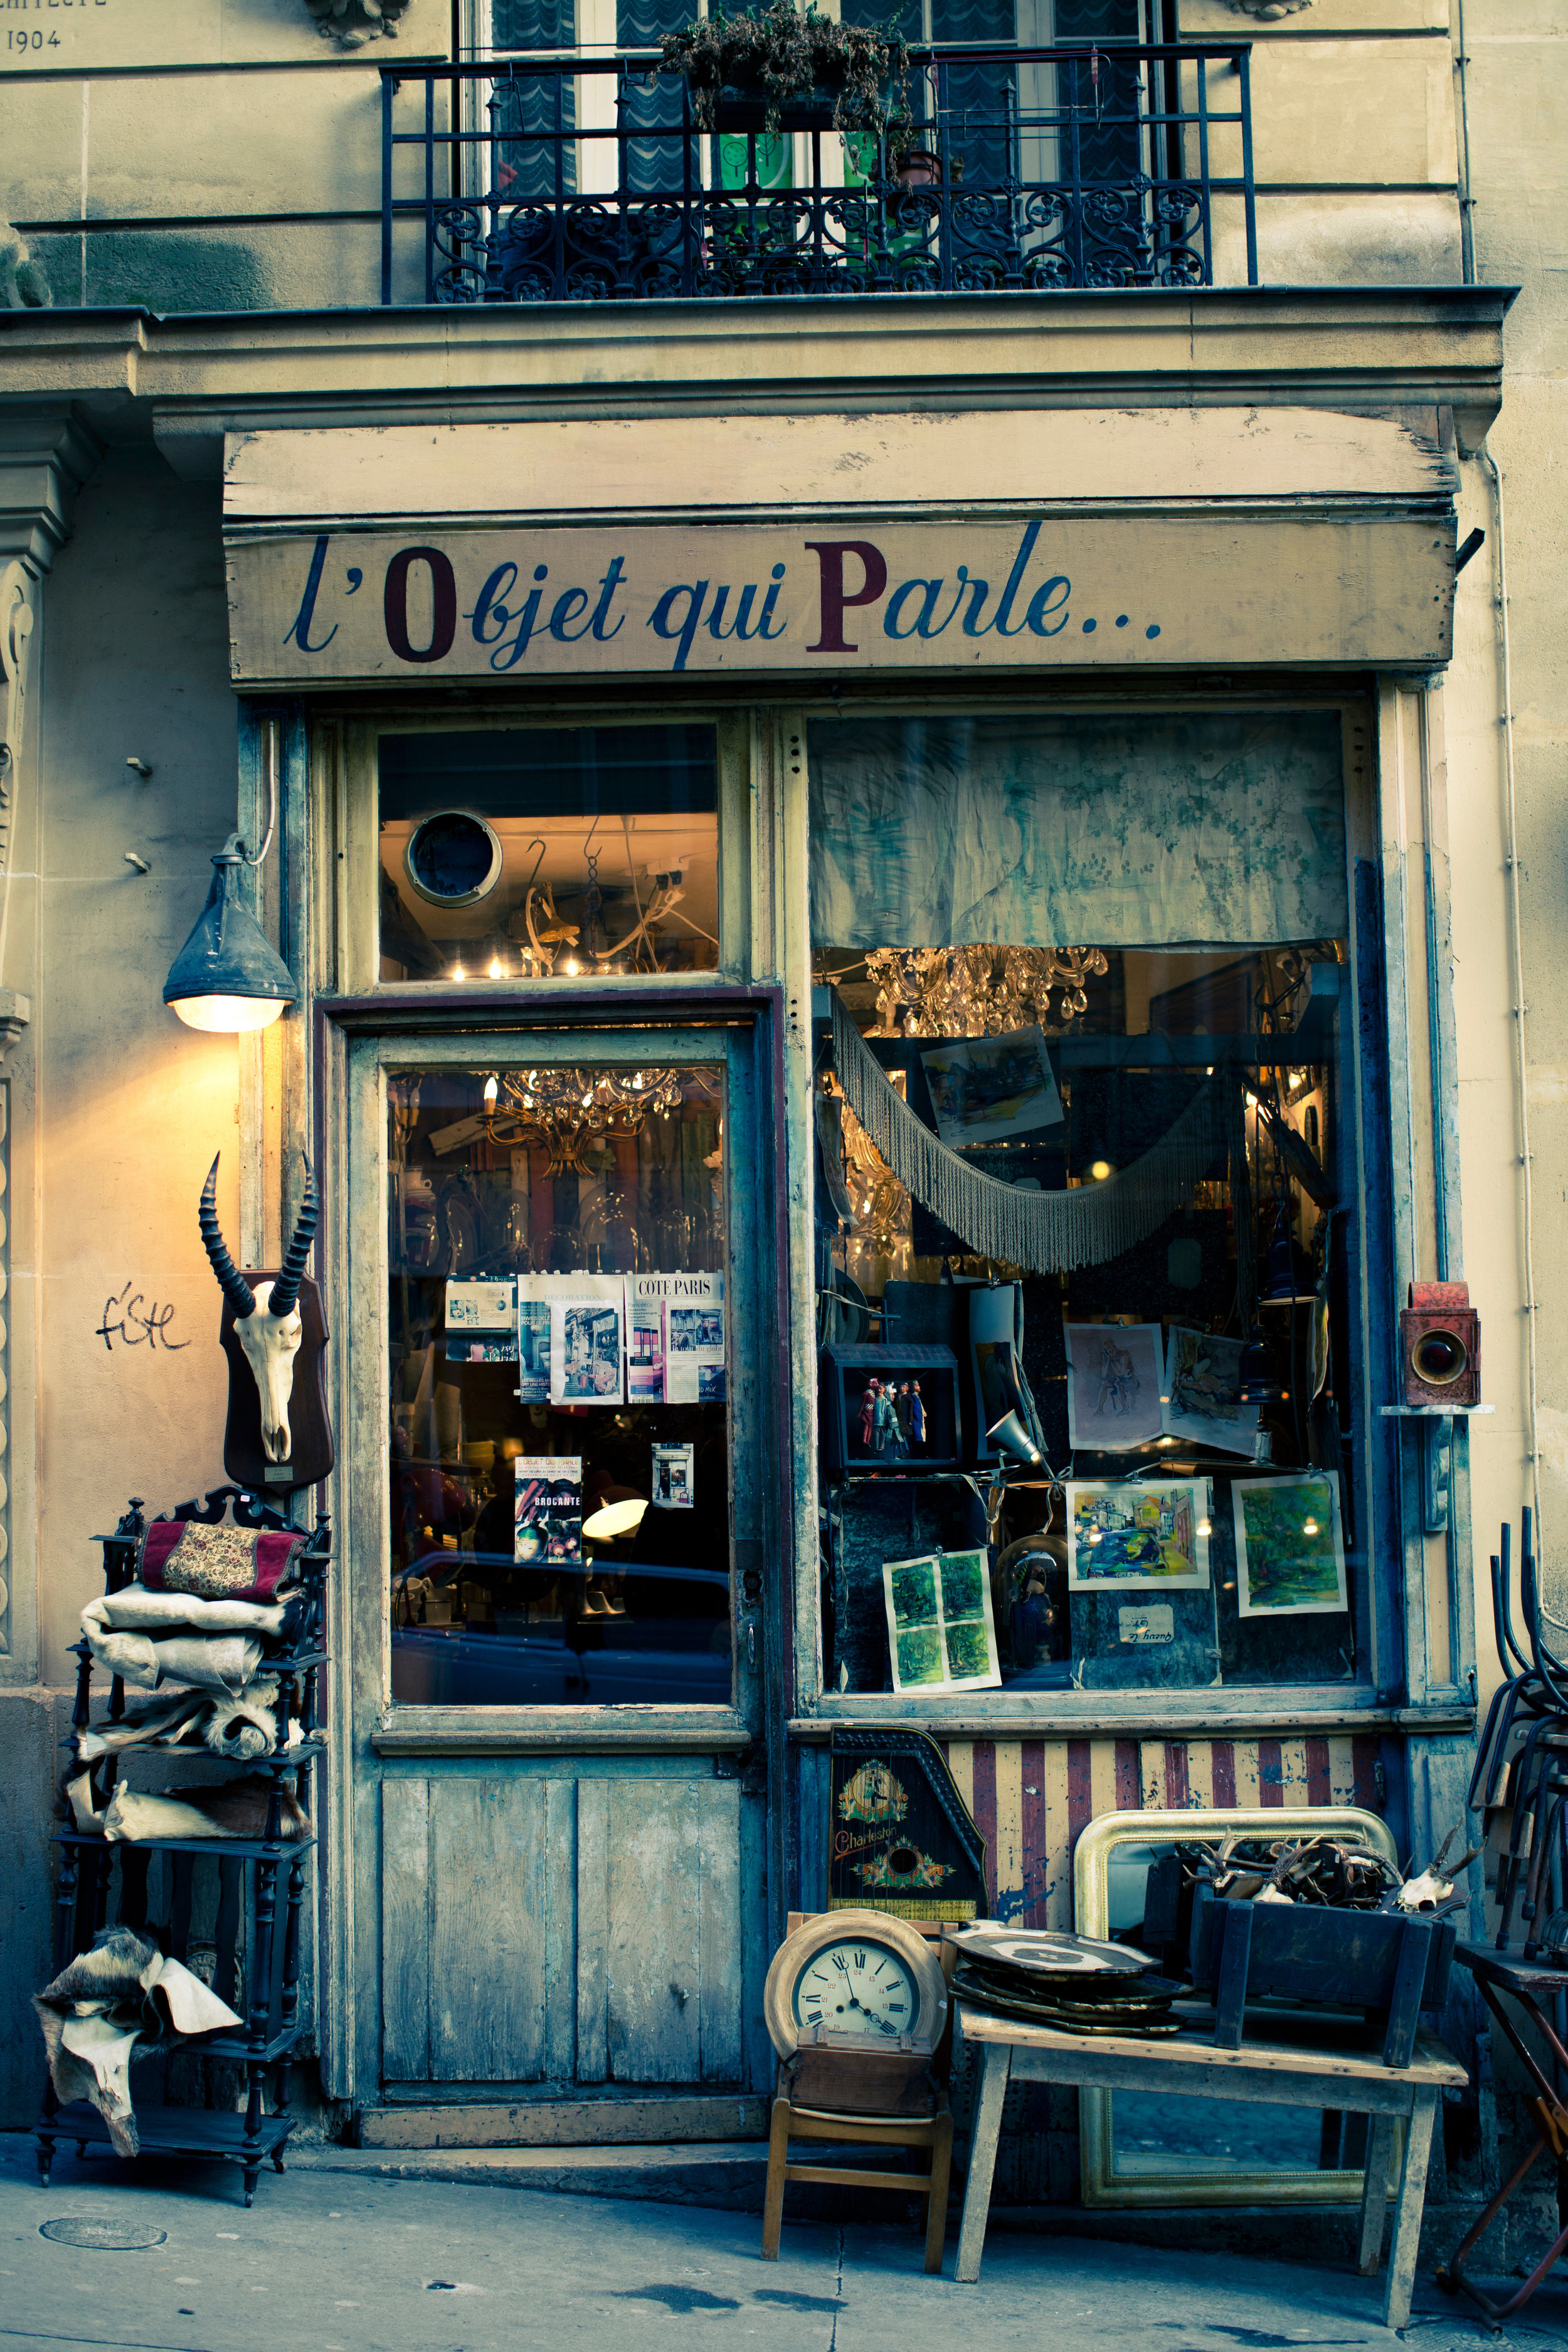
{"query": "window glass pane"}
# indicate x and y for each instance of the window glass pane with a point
(558, 1414)
(575, 853)
(1084, 1161)
(528, 132)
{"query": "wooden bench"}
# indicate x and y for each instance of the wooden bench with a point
(1287, 2074)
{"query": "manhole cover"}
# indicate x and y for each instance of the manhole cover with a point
(103, 2237)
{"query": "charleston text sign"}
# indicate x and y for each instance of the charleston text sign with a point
(518, 603)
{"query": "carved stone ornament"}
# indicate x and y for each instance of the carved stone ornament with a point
(1268, 12)
(352, 23)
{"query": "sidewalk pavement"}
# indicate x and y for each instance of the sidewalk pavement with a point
(331, 2261)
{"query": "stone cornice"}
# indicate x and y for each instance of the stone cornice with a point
(1368, 348)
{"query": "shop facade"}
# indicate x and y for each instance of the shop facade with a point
(821, 924)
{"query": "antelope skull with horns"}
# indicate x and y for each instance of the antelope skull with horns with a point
(266, 1320)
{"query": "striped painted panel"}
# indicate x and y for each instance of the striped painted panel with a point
(1031, 1797)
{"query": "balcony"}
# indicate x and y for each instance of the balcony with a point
(1036, 171)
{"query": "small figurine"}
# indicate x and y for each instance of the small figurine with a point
(917, 1415)
(869, 1413)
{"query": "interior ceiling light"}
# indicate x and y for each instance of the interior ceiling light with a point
(977, 991)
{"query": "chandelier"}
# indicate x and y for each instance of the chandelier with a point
(977, 991)
(568, 1111)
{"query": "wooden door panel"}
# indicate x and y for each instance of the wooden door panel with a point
(476, 1928)
(672, 1918)
(559, 1931)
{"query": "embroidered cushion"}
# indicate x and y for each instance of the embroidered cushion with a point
(217, 1563)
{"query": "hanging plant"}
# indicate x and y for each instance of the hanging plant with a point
(789, 59)
(352, 23)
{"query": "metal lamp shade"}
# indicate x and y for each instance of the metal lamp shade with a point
(227, 976)
(1259, 1382)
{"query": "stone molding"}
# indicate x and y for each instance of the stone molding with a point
(44, 458)
(1268, 12)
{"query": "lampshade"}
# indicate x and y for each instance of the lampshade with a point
(621, 1519)
(227, 976)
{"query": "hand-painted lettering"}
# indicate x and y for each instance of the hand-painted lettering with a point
(930, 592)
(1050, 597)
(607, 587)
(444, 604)
(836, 598)
(567, 607)
(659, 620)
(299, 627)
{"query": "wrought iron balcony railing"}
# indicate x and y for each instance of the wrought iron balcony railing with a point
(582, 178)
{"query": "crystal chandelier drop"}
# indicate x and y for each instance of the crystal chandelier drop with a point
(977, 991)
(568, 1110)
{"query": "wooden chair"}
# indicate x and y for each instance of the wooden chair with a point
(916, 2133)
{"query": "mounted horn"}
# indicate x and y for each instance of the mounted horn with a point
(235, 1289)
(286, 1290)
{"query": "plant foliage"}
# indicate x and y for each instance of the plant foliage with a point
(786, 53)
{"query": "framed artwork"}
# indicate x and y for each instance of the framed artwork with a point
(1128, 1534)
(1159, 2151)
(941, 1630)
(1290, 1546)
(1115, 1379)
(1200, 1403)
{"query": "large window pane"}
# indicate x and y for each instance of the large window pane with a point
(566, 852)
(558, 1410)
(1084, 1160)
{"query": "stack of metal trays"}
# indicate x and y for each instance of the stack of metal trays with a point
(1071, 1982)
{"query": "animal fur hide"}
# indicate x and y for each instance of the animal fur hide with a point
(233, 1809)
(98, 2008)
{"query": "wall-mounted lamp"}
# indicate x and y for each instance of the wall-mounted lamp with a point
(228, 976)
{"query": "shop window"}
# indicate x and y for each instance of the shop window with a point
(558, 1412)
(1087, 1201)
(554, 852)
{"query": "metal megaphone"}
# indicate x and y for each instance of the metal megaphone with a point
(1010, 1436)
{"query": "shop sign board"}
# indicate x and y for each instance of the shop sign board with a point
(1046, 589)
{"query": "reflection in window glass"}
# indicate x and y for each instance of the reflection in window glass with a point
(558, 1407)
(1086, 1181)
(566, 852)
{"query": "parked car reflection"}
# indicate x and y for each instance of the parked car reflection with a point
(473, 1628)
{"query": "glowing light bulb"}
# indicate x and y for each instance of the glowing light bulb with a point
(1100, 1170)
(498, 969)
(1309, 1526)
(458, 971)
(1204, 1529)
(492, 1089)
(1094, 1535)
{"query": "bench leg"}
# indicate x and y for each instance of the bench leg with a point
(772, 2199)
(984, 2135)
(1408, 2212)
(940, 2157)
(1375, 2195)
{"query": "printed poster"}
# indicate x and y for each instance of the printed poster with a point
(587, 1340)
(674, 1477)
(694, 1337)
(644, 1340)
(547, 1510)
(481, 1322)
(534, 1350)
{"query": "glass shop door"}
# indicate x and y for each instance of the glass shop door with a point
(560, 1268)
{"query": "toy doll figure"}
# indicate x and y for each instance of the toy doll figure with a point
(917, 1415)
(869, 1413)
(885, 1421)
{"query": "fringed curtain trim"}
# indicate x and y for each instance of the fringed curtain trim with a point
(1046, 1232)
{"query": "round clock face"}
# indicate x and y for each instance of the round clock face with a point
(856, 1987)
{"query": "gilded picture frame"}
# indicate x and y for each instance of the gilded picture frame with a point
(1168, 2182)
